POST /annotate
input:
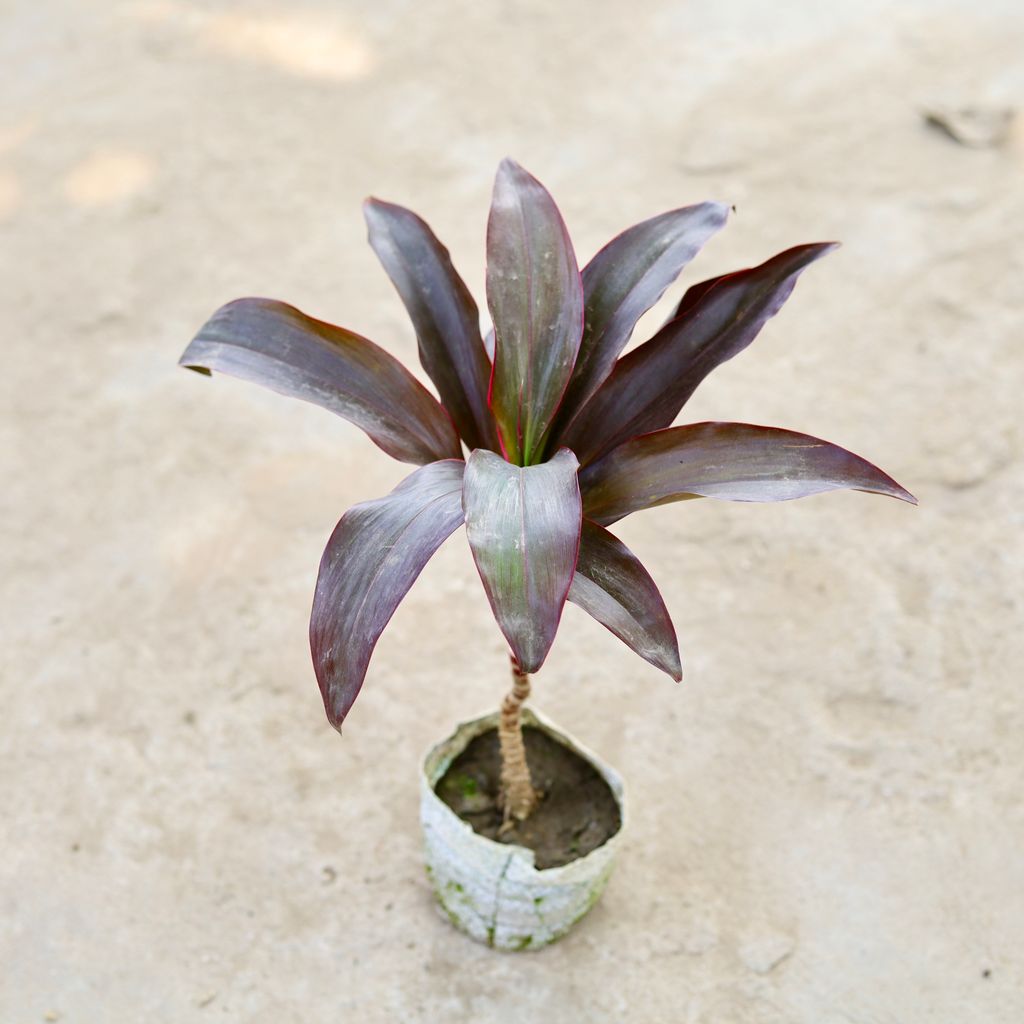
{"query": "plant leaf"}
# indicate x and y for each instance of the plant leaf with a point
(372, 559)
(624, 280)
(612, 586)
(523, 525)
(443, 312)
(694, 294)
(273, 344)
(652, 383)
(536, 302)
(728, 461)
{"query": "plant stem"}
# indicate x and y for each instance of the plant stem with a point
(518, 795)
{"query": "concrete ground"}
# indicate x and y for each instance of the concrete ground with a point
(827, 823)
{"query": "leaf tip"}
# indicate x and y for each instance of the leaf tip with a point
(377, 205)
(720, 210)
(374, 210)
(382, 217)
(530, 665)
(672, 665)
(337, 703)
(508, 165)
(564, 454)
(513, 175)
(893, 489)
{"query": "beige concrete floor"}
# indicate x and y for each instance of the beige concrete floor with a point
(827, 819)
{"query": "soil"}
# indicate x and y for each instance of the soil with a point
(577, 811)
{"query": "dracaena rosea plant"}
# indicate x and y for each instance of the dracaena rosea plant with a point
(545, 434)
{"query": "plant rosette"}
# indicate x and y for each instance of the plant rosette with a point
(491, 890)
(541, 437)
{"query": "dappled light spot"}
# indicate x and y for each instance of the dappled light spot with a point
(158, 11)
(207, 542)
(14, 136)
(302, 44)
(306, 43)
(10, 194)
(108, 176)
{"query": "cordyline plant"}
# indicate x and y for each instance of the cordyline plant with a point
(564, 436)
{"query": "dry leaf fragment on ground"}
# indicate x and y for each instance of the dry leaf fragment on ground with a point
(973, 126)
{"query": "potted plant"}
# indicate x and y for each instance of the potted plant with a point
(544, 436)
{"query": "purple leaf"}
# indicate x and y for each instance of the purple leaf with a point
(523, 525)
(729, 461)
(372, 559)
(536, 302)
(652, 383)
(612, 586)
(694, 294)
(273, 344)
(443, 312)
(624, 280)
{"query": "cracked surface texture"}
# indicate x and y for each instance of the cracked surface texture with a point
(495, 892)
(826, 816)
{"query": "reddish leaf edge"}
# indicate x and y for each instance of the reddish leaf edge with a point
(525, 666)
(542, 449)
(589, 472)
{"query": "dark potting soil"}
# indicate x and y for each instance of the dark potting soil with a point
(577, 812)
